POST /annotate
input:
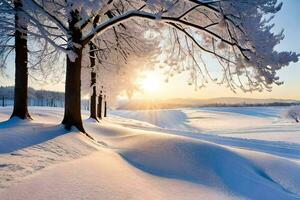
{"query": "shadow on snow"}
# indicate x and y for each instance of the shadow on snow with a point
(17, 134)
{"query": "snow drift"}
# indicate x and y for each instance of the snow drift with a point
(131, 159)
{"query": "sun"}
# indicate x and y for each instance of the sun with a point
(150, 84)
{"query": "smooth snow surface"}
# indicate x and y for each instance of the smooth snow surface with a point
(207, 153)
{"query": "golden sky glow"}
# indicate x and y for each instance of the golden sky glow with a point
(287, 18)
(154, 85)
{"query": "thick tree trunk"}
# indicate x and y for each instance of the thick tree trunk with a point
(21, 71)
(93, 102)
(99, 107)
(72, 115)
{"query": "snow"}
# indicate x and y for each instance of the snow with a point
(170, 119)
(266, 123)
(161, 154)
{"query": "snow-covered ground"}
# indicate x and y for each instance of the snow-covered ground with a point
(206, 153)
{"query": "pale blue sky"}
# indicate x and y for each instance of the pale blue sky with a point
(289, 19)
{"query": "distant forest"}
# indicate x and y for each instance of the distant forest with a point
(36, 98)
(56, 99)
(197, 103)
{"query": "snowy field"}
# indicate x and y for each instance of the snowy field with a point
(207, 153)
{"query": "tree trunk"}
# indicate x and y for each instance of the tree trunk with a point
(99, 109)
(105, 108)
(93, 102)
(93, 105)
(21, 71)
(72, 115)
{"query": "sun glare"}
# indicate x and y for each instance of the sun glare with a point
(150, 84)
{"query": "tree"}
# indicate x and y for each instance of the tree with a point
(7, 27)
(105, 107)
(21, 59)
(108, 54)
(14, 36)
(15, 28)
(93, 100)
(236, 33)
(109, 51)
(293, 113)
(99, 105)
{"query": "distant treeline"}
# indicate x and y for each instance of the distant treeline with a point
(252, 104)
(36, 98)
(152, 106)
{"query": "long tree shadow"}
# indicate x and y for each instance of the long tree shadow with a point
(17, 134)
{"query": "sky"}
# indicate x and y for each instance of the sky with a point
(155, 86)
(288, 19)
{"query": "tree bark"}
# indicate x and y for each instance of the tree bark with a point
(93, 105)
(105, 108)
(21, 71)
(93, 102)
(72, 114)
(99, 109)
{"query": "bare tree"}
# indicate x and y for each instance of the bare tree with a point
(105, 107)
(7, 27)
(100, 105)
(14, 38)
(293, 113)
(21, 59)
(93, 99)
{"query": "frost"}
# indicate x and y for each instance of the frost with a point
(237, 34)
(76, 45)
(72, 56)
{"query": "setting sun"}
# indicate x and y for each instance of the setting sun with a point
(150, 84)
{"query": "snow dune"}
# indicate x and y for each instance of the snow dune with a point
(170, 119)
(143, 158)
(199, 119)
(265, 123)
(232, 171)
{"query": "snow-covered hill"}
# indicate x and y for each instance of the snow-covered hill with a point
(207, 153)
